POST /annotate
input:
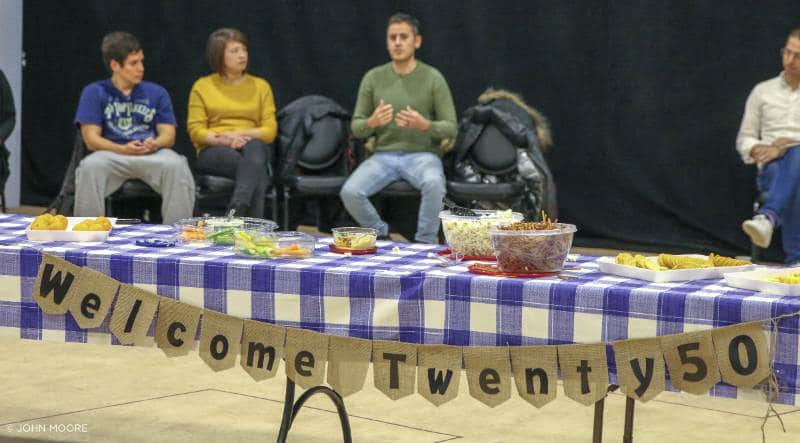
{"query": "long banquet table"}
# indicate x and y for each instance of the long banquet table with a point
(398, 293)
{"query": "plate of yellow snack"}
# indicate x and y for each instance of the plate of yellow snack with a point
(672, 267)
(781, 281)
(48, 227)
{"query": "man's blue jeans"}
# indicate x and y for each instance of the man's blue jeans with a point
(422, 170)
(780, 179)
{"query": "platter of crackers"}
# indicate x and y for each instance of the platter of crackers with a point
(672, 267)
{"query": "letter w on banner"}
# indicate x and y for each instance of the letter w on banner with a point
(438, 372)
(640, 367)
(54, 283)
(742, 354)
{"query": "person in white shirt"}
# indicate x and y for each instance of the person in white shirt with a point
(770, 137)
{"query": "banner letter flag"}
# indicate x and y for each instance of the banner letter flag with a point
(262, 349)
(54, 284)
(93, 294)
(306, 354)
(220, 336)
(742, 354)
(348, 362)
(535, 371)
(691, 361)
(640, 367)
(585, 372)
(133, 314)
(395, 366)
(488, 373)
(438, 372)
(176, 326)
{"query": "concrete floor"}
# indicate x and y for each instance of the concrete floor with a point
(75, 392)
(123, 394)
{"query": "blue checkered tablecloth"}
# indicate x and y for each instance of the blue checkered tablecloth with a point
(396, 294)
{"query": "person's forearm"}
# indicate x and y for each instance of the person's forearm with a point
(165, 141)
(360, 128)
(214, 139)
(100, 143)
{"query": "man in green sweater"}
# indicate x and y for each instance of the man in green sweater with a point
(407, 106)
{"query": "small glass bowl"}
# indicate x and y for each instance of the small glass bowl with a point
(293, 244)
(354, 239)
(191, 230)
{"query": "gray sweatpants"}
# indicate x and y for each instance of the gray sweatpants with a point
(101, 173)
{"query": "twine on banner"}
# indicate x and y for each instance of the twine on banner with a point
(772, 387)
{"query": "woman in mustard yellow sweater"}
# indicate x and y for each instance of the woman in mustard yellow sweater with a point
(231, 122)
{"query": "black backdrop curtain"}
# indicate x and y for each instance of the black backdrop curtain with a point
(645, 97)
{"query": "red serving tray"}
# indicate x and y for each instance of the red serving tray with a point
(480, 269)
(447, 251)
(371, 250)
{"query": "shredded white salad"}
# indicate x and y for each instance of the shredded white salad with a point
(470, 235)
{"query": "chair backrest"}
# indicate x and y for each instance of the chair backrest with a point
(323, 149)
(493, 153)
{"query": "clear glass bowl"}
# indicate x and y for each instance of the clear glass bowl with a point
(191, 230)
(469, 235)
(261, 243)
(532, 251)
(220, 230)
(354, 239)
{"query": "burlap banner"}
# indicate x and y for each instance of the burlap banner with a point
(438, 371)
(133, 314)
(640, 367)
(488, 373)
(54, 284)
(585, 372)
(306, 354)
(262, 349)
(176, 326)
(94, 293)
(220, 336)
(691, 361)
(348, 363)
(742, 354)
(695, 360)
(394, 365)
(535, 371)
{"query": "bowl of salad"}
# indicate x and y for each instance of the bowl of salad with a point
(220, 230)
(354, 238)
(469, 234)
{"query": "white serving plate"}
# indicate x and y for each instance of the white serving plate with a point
(754, 280)
(609, 266)
(70, 235)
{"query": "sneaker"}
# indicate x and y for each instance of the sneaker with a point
(759, 229)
